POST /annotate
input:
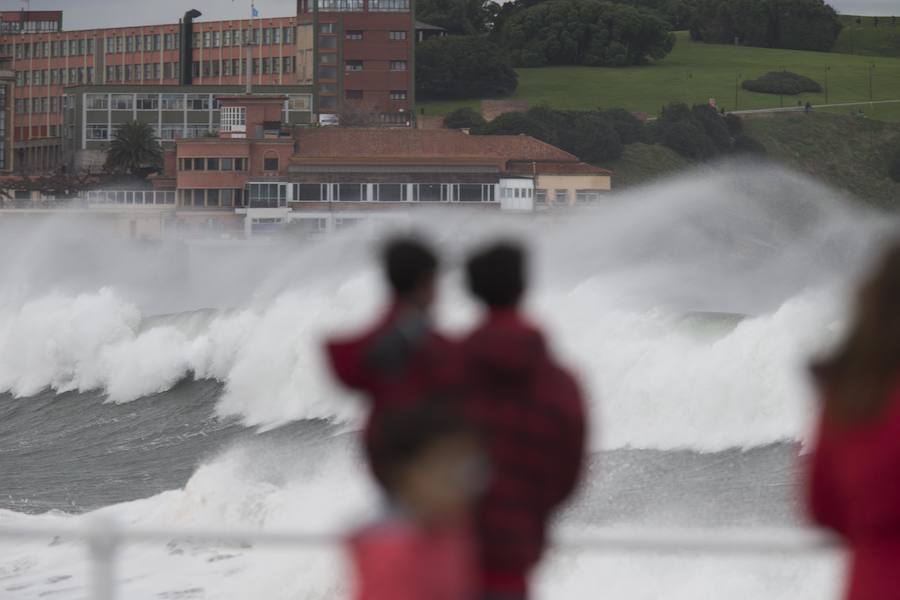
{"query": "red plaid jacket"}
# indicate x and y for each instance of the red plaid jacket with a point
(399, 362)
(531, 414)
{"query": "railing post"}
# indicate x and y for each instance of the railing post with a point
(103, 544)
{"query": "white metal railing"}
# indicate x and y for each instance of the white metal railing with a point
(104, 538)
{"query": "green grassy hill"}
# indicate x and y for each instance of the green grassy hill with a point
(847, 153)
(695, 72)
(866, 39)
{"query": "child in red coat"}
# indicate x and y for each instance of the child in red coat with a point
(424, 548)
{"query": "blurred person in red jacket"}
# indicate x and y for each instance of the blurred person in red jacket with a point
(432, 468)
(400, 360)
(855, 475)
(530, 414)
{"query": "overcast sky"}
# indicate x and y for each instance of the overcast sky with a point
(86, 14)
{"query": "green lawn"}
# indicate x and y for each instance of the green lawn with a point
(866, 39)
(695, 72)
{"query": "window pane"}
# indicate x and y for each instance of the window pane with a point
(390, 192)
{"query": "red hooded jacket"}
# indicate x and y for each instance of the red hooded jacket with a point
(401, 560)
(397, 363)
(855, 490)
(531, 414)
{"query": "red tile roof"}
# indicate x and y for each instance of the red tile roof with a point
(555, 168)
(337, 143)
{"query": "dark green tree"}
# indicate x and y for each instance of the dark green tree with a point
(134, 150)
(464, 118)
(463, 67)
(517, 123)
(585, 32)
(629, 127)
(458, 17)
(794, 24)
(587, 134)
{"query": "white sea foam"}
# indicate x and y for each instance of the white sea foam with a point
(628, 294)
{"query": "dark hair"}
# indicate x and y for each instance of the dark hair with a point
(857, 379)
(408, 263)
(404, 435)
(496, 274)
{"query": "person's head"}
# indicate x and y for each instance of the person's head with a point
(857, 379)
(496, 274)
(410, 267)
(432, 461)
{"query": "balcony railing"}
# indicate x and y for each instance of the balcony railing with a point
(104, 538)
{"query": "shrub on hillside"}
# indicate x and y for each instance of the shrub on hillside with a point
(629, 127)
(464, 118)
(687, 139)
(589, 135)
(713, 125)
(746, 145)
(462, 67)
(782, 82)
(734, 124)
(516, 123)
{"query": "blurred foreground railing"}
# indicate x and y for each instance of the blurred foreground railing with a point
(104, 538)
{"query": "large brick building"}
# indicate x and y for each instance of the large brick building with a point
(355, 56)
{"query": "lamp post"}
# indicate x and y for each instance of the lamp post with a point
(781, 94)
(871, 72)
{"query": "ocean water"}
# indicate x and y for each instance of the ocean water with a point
(182, 385)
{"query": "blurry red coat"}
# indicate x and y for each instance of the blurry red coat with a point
(399, 362)
(399, 560)
(531, 414)
(855, 490)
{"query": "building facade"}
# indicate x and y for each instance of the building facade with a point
(46, 59)
(92, 114)
(7, 99)
(359, 55)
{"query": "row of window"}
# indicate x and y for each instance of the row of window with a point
(201, 102)
(358, 34)
(28, 26)
(269, 36)
(145, 72)
(73, 76)
(308, 6)
(148, 101)
(56, 48)
(397, 95)
(101, 132)
(214, 198)
(51, 104)
(135, 197)
(213, 164)
(234, 67)
(147, 43)
(352, 66)
(393, 192)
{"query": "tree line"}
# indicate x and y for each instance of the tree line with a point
(599, 136)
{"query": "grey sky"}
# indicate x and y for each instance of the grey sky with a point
(86, 14)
